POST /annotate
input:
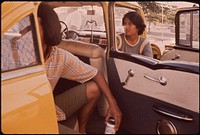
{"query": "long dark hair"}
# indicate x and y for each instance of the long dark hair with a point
(50, 24)
(135, 19)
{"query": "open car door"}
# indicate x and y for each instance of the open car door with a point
(27, 104)
(155, 97)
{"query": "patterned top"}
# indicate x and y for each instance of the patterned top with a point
(126, 47)
(62, 63)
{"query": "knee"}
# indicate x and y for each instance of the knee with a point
(93, 90)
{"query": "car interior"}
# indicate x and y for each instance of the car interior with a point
(95, 55)
(158, 95)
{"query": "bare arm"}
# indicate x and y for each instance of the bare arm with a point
(113, 110)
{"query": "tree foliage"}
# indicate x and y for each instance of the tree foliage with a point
(153, 12)
(151, 6)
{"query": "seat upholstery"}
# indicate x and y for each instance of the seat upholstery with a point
(83, 49)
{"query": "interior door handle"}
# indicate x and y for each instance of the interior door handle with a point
(172, 112)
(161, 80)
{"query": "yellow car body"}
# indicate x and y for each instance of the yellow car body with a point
(27, 104)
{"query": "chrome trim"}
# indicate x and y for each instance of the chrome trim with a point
(161, 80)
(180, 116)
(10, 75)
(167, 123)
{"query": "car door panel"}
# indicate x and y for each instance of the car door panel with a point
(172, 92)
(146, 104)
(183, 54)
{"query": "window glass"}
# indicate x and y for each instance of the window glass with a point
(84, 23)
(184, 29)
(18, 48)
(119, 28)
(119, 14)
(195, 32)
(189, 28)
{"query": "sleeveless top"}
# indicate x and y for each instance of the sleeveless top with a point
(138, 48)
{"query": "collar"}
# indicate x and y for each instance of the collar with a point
(131, 44)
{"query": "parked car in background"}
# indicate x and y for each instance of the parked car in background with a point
(157, 95)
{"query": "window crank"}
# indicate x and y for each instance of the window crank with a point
(130, 74)
(177, 56)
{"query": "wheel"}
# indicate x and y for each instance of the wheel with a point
(66, 33)
(64, 30)
(73, 35)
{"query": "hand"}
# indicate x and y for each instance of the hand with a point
(114, 111)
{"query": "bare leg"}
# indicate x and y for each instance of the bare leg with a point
(93, 94)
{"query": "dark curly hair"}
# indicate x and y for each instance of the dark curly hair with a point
(135, 19)
(50, 24)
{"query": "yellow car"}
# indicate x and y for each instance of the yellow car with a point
(27, 104)
(158, 95)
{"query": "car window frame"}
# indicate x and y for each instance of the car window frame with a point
(177, 29)
(27, 69)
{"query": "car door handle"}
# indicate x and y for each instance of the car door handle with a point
(161, 80)
(172, 113)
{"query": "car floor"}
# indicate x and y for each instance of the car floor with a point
(96, 124)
